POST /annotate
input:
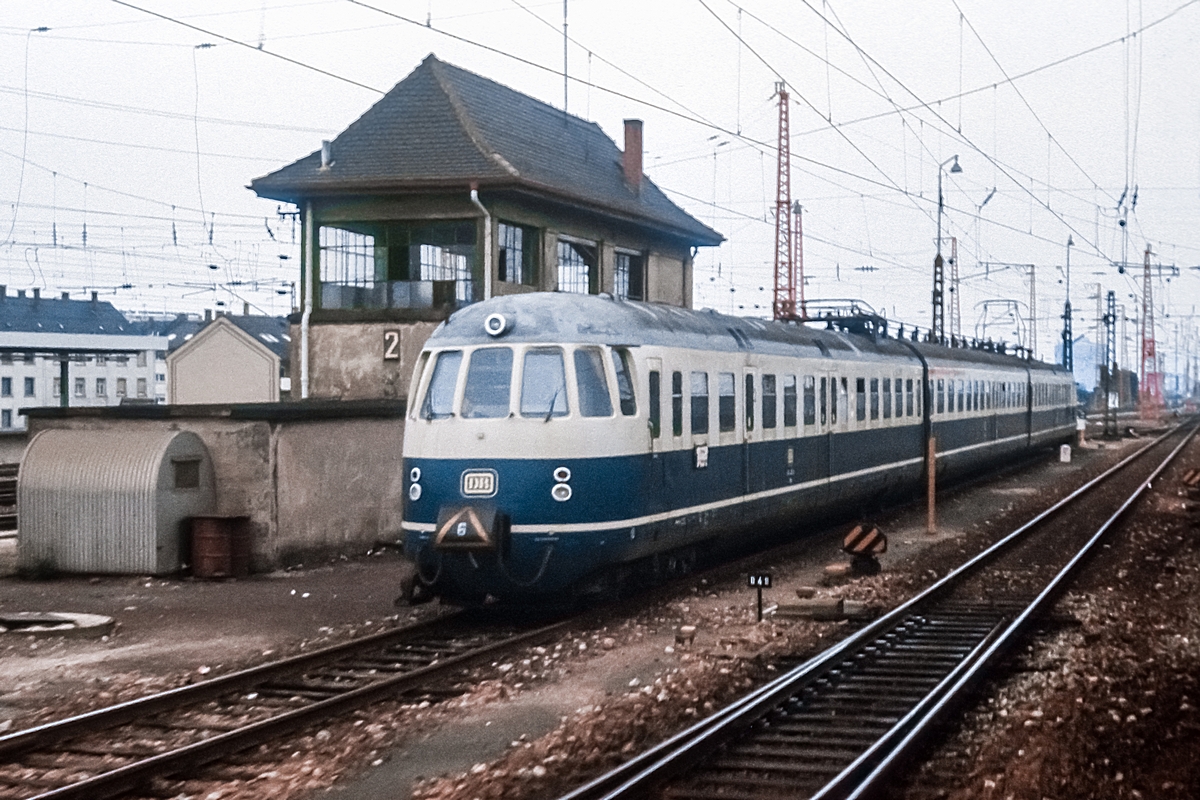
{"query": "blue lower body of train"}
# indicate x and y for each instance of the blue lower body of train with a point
(656, 510)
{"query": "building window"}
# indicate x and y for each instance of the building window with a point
(576, 266)
(160, 377)
(81, 387)
(6, 358)
(121, 360)
(58, 387)
(629, 276)
(28, 358)
(6, 418)
(101, 361)
(187, 473)
(30, 385)
(518, 246)
(5, 387)
(397, 264)
(101, 387)
(121, 387)
(141, 358)
(141, 387)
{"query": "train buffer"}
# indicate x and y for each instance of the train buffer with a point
(865, 542)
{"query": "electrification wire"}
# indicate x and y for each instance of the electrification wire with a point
(155, 148)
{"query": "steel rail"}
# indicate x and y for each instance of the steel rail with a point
(190, 756)
(121, 713)
(670, 755)
(971, 677)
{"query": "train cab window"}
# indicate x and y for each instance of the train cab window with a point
(726, 412)
(789, 400)
(908, 397)
(677, 404)
(887, 398)
(620, 357)
(655, 408)
(810, 400)
(860, 399)
(874, 398)
(489, 380)
(749, 403)
(823, 403)
(544, 384)
(941, 396)
(594, 400)
(699, 402)
(769, 400)
(439, 397)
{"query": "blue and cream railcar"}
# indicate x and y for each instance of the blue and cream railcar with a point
(554, 441)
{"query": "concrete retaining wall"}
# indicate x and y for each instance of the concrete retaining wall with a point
(312, 485)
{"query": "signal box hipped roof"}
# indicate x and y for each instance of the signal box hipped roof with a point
(443, 127)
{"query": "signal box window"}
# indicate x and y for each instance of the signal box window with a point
(544, 384)
(768, 400)
(699, 402)
(593, 386)
(439, 397)
(629, 276)
(489, 378)
(576, 266)
(518, 246)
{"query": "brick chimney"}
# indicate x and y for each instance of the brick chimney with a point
(632, 161)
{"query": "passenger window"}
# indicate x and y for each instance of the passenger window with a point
(620, 357)
(677, 404)
(899, 397)
(841, 407)
(699, 402)
(860, 399)
(887, 398)
(544, 384)
(655, 408)
(874, 398)
(769, 400)
(593, 386)
(489, 381)
(439, 397)
(726, 414)
(789, 401)
(824, 381)
(941, 396)
(908, 397)
(961, 395)
(810, 400)
(749, 402)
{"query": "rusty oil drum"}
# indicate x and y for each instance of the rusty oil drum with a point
(220, 546)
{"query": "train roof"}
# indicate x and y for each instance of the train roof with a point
(557, 317)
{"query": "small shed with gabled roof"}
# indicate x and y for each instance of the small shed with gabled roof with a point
(226, 363)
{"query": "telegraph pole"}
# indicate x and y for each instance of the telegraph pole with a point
(1068, 352)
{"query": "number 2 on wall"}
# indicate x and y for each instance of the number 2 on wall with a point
(391, 345)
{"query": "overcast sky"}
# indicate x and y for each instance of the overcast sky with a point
(130, 124)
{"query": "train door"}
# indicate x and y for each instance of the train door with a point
(654, 422)
(750, 424)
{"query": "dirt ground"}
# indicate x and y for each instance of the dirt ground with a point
(530, 726)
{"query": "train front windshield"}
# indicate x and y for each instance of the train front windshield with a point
(542, 380)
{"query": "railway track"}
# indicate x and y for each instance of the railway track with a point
(838, 725)
(123, 748)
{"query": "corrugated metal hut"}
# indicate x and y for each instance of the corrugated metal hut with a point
(111, 501)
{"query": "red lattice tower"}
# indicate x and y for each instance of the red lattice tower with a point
(784, 305)
(1150, 382)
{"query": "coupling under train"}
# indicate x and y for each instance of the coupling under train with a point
(559, 443)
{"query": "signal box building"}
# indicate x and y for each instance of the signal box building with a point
(453, 189)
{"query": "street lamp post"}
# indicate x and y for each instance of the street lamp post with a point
(939, 279)
(1068, 354)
